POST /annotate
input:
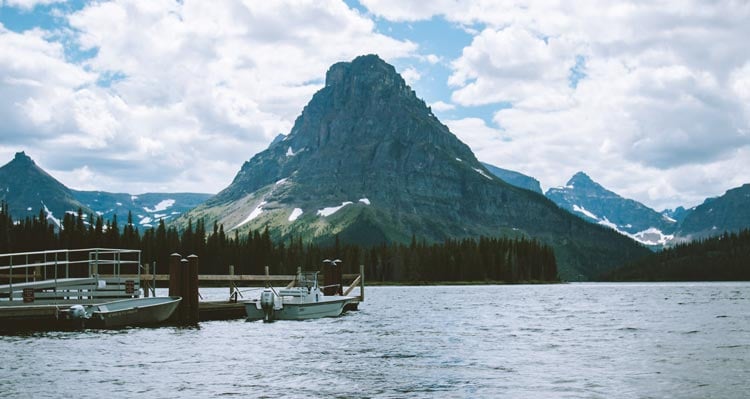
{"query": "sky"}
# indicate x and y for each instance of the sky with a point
(649, 98)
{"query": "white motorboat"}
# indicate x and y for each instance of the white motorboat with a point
(303, 301)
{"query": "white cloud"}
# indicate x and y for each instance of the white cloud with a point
(28, 4)
(410, 75)
(178, 94)
(652, 90)
(442, 106)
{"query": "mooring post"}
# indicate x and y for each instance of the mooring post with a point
(193, 309)
(332, 276)
(175, 284)
(145, 283)
(184, 308)
(232, 295)
(361, 283)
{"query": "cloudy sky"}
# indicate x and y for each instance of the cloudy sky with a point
(650, 98)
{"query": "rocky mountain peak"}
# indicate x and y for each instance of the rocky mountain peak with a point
(21, 157)
(366, 71)
(581, 179)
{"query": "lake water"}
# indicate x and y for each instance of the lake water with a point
(596, 340)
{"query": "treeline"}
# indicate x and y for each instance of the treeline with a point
(486, 259)
(721, 258)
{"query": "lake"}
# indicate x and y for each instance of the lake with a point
(588, 340)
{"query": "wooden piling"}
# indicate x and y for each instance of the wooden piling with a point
(175, 288)
(184, 308)
(232, 293)
(361, 283)
(332, 278)
(146, 284)
(192, 292)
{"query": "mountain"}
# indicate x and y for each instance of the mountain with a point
(678, 214)
(146, 209)
(589, 200)
(515, 178)
(367, 162)
(27, 189)
(729, 212)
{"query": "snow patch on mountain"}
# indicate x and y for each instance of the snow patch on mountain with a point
(364, 201)
(296, 213)
(51, 217)
(161, 206)
(481, 172)
(583, 210)
(254, 214)
(290, 152)
(331, 210)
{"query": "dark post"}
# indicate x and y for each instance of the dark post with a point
(332, 277)
(192, 277)
(175, 288)
(175, 284)
(146, 283)
(184, 308)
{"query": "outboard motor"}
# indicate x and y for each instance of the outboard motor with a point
(78, 312)
(267, 298)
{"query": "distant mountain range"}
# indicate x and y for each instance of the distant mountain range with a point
(27, 189)
(146, 209)
(590, 201)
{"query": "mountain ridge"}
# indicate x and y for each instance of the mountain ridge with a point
(584, 197)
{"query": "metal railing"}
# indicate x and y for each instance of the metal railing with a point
(48, 268)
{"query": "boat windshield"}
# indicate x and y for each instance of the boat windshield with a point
(308, 279)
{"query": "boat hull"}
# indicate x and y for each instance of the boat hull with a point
(132, 312)
(329, 307)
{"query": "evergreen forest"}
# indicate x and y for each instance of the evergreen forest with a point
(484, 259)
(721, 258)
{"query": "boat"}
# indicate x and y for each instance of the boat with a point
(301, 302)
(126, 312)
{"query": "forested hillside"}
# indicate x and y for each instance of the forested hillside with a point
(721, 258)
(486, 259)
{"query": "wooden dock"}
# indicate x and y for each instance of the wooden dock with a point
(33, 300)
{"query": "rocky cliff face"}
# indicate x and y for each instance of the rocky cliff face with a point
(514, 178)
(368, 161)
(589, 200)
(730, 212)
(27, 189)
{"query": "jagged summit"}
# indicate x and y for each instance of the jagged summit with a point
(365, 119)
(21, 157)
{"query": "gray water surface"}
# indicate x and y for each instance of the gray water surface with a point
(675, 340)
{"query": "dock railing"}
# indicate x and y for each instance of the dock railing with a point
(350, 281)
(70, 273)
